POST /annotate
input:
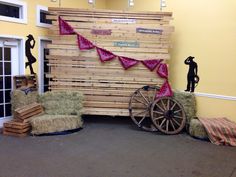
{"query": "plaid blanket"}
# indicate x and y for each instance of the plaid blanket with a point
(221, 131)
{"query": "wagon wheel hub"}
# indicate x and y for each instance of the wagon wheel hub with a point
(169, 114)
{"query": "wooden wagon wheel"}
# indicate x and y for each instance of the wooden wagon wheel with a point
(140, 105)
(168, 115)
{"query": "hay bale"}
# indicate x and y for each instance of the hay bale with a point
(197, 130)
(62, 102)
(19, 98)
(54, 123)
(188, 101)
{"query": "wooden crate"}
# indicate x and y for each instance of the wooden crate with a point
(23, 114)
(25, 81)
(15, 128)
(107, 86)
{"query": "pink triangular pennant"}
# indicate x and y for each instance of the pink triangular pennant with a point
(127, 62)
(151, 64)
(105, 55)
(165, 90)
(162, 70)
(83, 43)
(65, 28)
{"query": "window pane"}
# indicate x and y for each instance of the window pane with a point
(9, 11)
(7, 96)
(8, 109)
(7, 68)
(1, 111)
(8, 82)
(0, 53)
(1, 97)
(7, 54)
(46, 88)
(1, 82)
(1, 68)
(43, 18)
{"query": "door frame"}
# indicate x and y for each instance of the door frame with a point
(21, 56)
(41, 40)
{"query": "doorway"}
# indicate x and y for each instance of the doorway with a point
(44, 69)
(9, 67)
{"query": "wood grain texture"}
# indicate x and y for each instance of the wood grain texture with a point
(107, 86)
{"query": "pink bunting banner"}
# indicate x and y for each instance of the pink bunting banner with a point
(151, 64)
(65, 28)
(105, 55)
(162, 70)
(165, 90)
(127, 62)
(83, 43)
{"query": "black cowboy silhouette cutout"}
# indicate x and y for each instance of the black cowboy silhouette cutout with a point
(30, 57)
(192, 76)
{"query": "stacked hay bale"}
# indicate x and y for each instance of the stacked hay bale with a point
(20, 99)
(188, 102)
(193, 126)
(63, 112)
(197, 130)
(22, 108)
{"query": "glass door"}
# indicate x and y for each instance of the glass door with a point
(9, 66)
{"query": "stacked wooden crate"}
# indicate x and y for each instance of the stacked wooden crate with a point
(20, 125)
(107, 86)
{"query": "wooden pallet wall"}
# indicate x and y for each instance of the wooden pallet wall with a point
(107, 86)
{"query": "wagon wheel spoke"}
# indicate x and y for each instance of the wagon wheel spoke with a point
(167, 115)
(176, 122)
(138, 113)
(160, 108)
(140, 101)
(154, 95)
(163, 104)
(158, 112)
(139, 108)
(173, 106)
(157, 118)
(163, 121)
(167, 125)
(177, 111)
(143, 96)
(171, 123)
(178, 117)
(143, 117)
(168, 104)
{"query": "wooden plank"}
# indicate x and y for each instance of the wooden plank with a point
(107, 87)
(15, 134)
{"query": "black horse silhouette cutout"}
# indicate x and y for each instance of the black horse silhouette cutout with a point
(192, 76)
(30, 57)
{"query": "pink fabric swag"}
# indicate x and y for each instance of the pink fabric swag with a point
(151, 64)
(65, 28)
(165, 90)
(162, 70)
(105, 55)
(83, 43)
(127, 62)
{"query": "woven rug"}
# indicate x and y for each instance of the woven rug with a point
(221, 131)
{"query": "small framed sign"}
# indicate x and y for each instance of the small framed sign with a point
(126, 44)
(123, 20)
(101, 31)
(148, 31)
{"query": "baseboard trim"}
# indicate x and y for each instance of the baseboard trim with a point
(216, 96)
